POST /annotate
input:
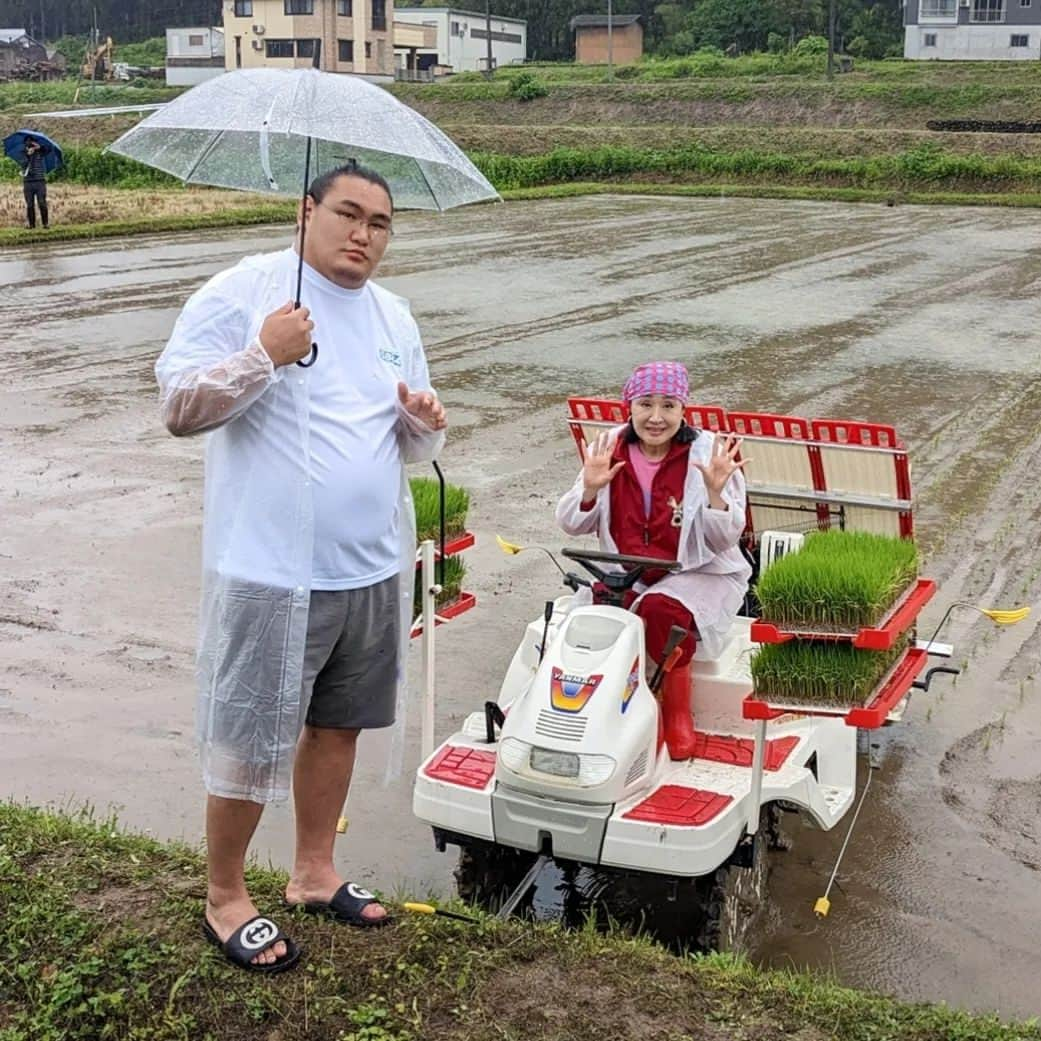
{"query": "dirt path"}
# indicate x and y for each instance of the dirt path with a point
(924, 318)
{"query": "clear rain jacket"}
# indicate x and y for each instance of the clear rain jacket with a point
(714, 575)
(258, 527)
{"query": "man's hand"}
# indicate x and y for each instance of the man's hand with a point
(286, 335)
(424, 405)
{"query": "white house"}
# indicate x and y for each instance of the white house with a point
(193, 55)
(462, 37)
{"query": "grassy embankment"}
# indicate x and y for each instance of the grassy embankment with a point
(760, 125)
(101, 939)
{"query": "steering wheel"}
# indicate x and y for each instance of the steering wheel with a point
(617, 581)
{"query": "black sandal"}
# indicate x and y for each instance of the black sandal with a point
(253, 938)
(346, 905)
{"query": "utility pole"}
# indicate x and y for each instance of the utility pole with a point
(831, 38)
(488, 36)
(610, 42)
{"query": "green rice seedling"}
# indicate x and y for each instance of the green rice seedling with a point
(426, 497)
(838, 582)
(451, 584)
(427, 500)
(819, 673)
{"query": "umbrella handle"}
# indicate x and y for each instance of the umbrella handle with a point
(310, 361)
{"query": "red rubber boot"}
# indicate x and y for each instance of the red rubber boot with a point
(675, 707)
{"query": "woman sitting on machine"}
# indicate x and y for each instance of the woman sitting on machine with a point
(658, 488)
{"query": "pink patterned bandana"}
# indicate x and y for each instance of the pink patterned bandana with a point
(657, 377)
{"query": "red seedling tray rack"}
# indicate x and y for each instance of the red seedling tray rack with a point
(464, 601)
(446, 612)
(454, 545)
(881, 638)
(869, 716)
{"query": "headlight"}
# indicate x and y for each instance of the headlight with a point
(586, 771)
(595, 769)
(514, 754)
(560, 764)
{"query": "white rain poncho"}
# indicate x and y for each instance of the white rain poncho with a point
(258, 527)
(714, 574)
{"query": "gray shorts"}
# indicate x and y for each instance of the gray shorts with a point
(351, 659)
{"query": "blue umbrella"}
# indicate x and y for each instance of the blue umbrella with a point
(14, 148)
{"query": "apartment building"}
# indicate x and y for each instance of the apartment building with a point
(356, 35)
(972, 30)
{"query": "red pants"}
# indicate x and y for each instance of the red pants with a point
(660, 613)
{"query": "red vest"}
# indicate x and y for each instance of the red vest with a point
(657, 533)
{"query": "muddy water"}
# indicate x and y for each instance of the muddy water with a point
(925, 318)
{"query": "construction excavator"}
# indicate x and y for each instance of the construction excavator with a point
(98, 64)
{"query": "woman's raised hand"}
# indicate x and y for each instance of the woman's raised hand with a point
(597, 469)
(722, 464)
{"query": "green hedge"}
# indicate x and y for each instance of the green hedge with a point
(95, 166)
(925, 166)
(922, 166)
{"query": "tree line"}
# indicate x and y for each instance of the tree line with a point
(125, 21)
(677, 27)
(672, 27)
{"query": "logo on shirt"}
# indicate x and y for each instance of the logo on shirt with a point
(391, 357)
(677, 512)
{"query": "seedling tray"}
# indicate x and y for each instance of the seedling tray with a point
(871, 715)
(878, 638)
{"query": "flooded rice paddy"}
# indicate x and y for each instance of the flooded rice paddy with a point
(926, 318)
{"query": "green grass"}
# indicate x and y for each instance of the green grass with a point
(276, 213)
(819, 673)
(839, 581)
(146, 52)
(712, 65)
(62, 93)
(101, 940)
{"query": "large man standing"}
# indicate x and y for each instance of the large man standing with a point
(308, 540)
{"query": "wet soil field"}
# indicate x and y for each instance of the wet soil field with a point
(926, 318)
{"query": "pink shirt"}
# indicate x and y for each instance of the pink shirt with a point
(644, 470)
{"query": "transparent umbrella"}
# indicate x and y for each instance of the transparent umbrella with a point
(248, 130)
(273, 130)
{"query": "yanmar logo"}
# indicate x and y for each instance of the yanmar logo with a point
(569, 693)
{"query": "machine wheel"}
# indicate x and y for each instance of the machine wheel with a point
(732, 896)
(487, 874)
